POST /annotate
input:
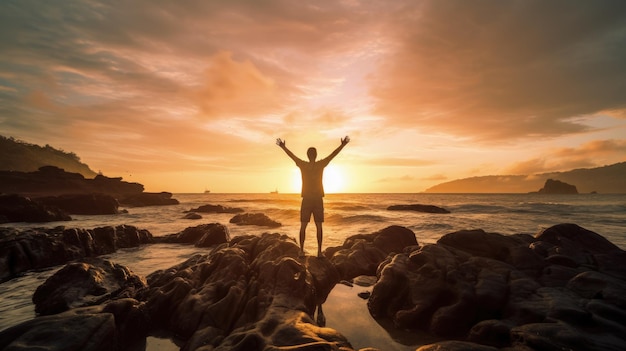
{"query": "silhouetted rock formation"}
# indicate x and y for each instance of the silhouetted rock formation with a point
(15, 208)
(563, 289)
(361, 254)
(50, 180)
(216, 209)
(557, 187)
(84, 204)
(149, 199)
(21, 251)
(192, 215)
(259, 219)
(203, 235)
(85, 283)
(418, 208)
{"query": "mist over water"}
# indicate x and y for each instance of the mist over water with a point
(346, 215)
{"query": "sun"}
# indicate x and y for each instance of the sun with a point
(333, 180)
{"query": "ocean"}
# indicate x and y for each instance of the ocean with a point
(346, 215)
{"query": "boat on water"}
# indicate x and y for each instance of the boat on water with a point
(274, 191)
(207, 191)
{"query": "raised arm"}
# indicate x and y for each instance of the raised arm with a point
(344, 142)
(282, 145)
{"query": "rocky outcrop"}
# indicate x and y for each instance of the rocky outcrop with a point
(192, 215)
(418, 208)
(361, 254)
(557, 187)
(50, 180)
(259, 219)
(203, 235)
(85, 283)
(253, 293)
(216, 209)
(15, 208)
(561, 289)
(149, 199)
(23, 250)
(83, 204)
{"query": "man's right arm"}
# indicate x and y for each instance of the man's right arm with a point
(282, 145)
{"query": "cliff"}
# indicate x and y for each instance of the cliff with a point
(609, 179)
(16, 155)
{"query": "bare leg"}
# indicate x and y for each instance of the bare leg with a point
(302, 236)
(318, 225)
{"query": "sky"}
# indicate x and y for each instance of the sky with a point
(189, 95)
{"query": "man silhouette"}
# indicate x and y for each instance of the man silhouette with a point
(312, 189)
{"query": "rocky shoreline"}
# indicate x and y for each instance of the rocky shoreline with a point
(563, 288)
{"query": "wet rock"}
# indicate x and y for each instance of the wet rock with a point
(553, 186)
(361, 254)
(15, 208)
(163, 198)
(84, 283)
(509, 292)
(192, 215)
(84, 204)
(259, 219)
(418, 208)
(203, 235)
(251, 294)
(23, 250)
(216, 209)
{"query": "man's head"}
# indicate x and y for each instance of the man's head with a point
(312, 153)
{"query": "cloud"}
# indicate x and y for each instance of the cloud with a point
(591, 154)
(496, 70)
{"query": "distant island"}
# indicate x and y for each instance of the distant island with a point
(557, 187)
(609, 179)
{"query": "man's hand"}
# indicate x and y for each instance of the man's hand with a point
(280, 142)
(345, 140)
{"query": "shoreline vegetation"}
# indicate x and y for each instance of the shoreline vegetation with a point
(563, 288)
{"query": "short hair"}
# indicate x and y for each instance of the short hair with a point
(311, 153)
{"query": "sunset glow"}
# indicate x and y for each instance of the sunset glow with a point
(192, 94)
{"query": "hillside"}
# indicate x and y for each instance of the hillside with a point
(606, 180)
(16, 155)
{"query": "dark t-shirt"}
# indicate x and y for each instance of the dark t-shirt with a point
(312, 173)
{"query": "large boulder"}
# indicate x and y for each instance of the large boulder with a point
(361, 254)
(509, 292)
(250, 294)
(553, 186)
(84, 204)
(259, 219)
(23, 250)
(84, 283)
(203, 235)
(16, 208)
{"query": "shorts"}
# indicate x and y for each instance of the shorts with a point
(312, 205)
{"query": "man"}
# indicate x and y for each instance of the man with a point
(312, 189)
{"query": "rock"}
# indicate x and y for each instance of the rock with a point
(364, 295)
(72, 331)
(501, 291)
(84, 283)
(557, 187)
(216, 209)
(203, 235)
(418, 208)
(23, 250)
(149, 199)
(192, 215)
(361, 254)
(15, 208)
(84, 204)
(250, 294)
(454, 345)
(259, 219)
(50, 180)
